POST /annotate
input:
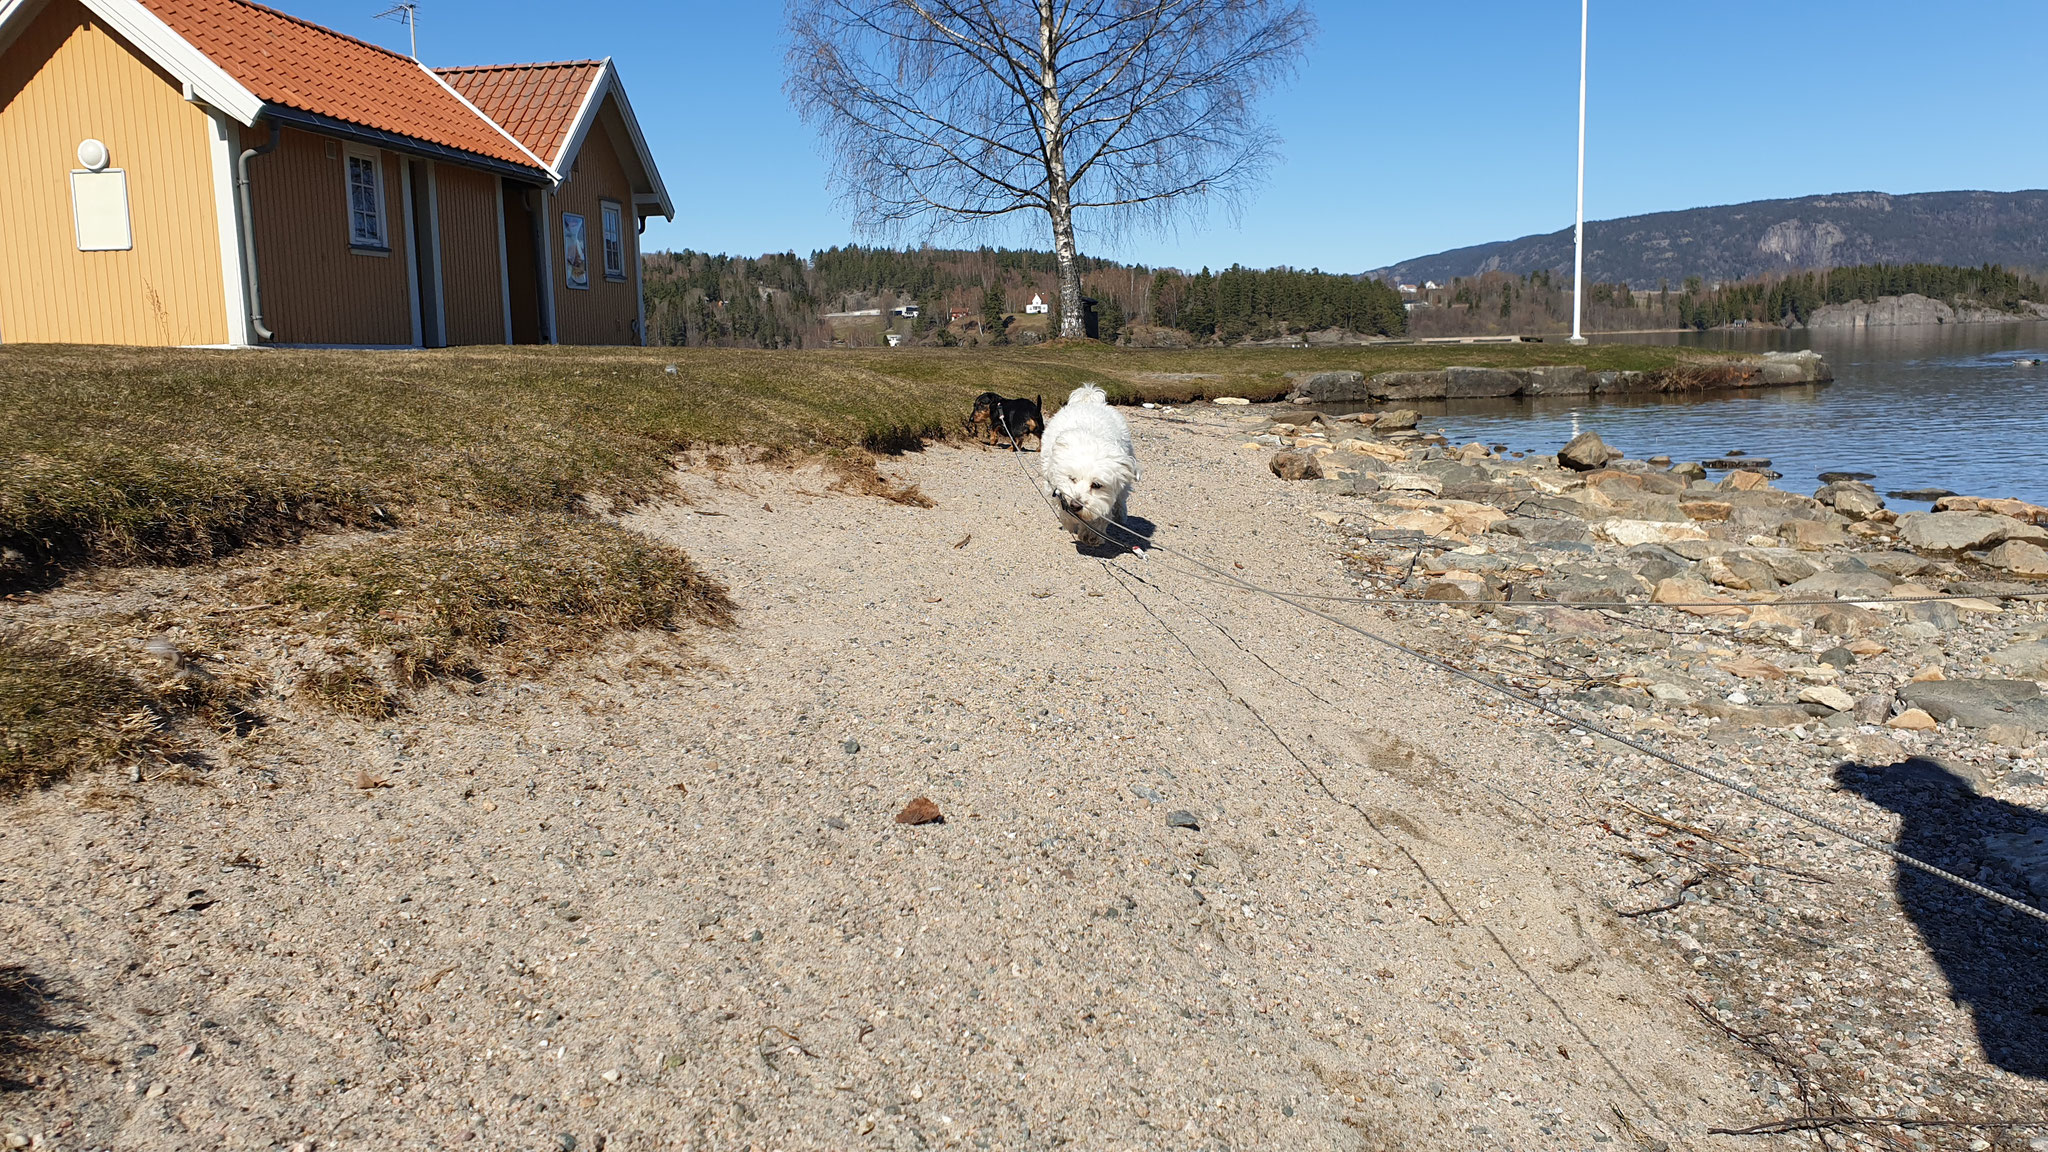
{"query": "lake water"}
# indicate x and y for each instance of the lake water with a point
(1939, 407)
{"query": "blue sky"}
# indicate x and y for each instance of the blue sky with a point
(1413, 126)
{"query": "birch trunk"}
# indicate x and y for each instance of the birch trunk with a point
(1059, 186)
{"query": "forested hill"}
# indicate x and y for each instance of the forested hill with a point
(1739, 241)
(782, 300)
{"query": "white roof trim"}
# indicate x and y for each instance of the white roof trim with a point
(542, 164)
(173, 53)
(593, 99)
(608, 82)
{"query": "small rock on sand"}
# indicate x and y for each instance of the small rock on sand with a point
(920, 811)
(1912, 720)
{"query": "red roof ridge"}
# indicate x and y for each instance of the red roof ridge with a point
(508, 67)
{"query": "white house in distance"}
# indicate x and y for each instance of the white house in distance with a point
(1037, 307)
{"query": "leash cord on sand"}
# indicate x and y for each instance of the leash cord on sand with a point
(1144, 545)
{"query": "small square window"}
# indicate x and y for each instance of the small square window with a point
(366, 203)
(614, 241)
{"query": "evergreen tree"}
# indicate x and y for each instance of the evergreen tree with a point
(1111, 320)
(992, 315)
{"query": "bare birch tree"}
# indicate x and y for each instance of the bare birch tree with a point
(954, 113)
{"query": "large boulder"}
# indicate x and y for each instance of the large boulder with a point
(2019, 558)
(2017, 509)
(1852, 499)
(1328, 387)
(1480, 383)
(1564, 380)
(1804, 367)
(1587, 453)
(1951, 532)
(1408, 386)
(1629, 533)
(2029, 660)
(1980, 703)
(1295, 465)
(1812, 535)
(1842, 586)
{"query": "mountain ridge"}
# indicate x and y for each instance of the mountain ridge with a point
(1736, 241)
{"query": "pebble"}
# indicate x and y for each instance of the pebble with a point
(850, 747)
(921, 811)
(1182, 818)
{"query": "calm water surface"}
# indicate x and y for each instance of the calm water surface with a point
(1943, 407)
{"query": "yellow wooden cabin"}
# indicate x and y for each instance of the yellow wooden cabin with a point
(215, 172)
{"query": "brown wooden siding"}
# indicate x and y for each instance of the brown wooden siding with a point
(607, 311)
(66, 80)
(471, 290)
(522, 263)
(316, 289)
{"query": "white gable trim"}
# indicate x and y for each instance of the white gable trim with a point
(607, 83)
(538, 162)
(139, 26)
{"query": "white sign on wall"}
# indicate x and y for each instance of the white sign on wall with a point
(99, 210)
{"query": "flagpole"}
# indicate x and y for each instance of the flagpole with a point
(1579, 230)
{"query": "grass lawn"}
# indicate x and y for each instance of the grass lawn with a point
(130, 455)
(485, 462)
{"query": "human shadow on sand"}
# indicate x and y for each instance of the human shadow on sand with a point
(1137, 533)
(1995, 959)
(25, 1020)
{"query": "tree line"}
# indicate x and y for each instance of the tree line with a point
(782, 300)
(1242, 303)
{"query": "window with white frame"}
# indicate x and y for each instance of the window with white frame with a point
(614, 241)
(366, 202)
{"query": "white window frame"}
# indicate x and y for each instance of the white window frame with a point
(611, 229)
(357, 241)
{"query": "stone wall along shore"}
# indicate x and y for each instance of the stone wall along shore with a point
(1772, 369)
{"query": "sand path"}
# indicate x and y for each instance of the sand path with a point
(655, 908)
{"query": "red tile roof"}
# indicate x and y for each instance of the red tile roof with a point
(535, 102)
(285, 60)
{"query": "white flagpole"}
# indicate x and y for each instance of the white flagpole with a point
(1579, 231)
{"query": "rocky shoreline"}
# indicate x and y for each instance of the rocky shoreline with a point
(1870, 633)
(1885, 669)
(1771, 369)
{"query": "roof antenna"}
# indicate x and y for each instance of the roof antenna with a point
(410, 13)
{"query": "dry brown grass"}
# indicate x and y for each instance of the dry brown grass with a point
(62, 712)
(486, 596)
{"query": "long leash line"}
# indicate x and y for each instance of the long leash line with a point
(1144, 545)
(1817, 821)
(1428, 878)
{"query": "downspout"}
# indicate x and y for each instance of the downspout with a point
(640, 284)
(249, 232)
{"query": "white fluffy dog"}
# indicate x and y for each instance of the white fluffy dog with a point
(1086, 457)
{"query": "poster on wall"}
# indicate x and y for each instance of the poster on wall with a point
(575, 250)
